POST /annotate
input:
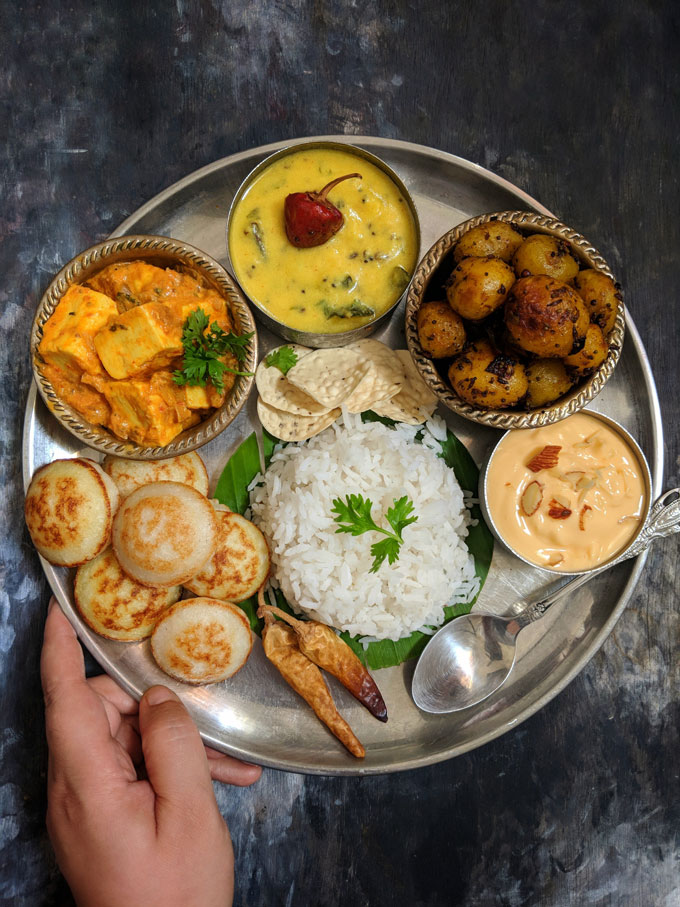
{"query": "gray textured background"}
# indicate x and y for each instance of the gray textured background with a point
(102, 106)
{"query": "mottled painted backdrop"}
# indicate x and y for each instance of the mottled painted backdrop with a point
(102, 106)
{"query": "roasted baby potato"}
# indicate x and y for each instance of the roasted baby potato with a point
(482, 289)
(548, 380)
(595, 351)
(494, 238)
(601, 296)
(482, 377)
(440, 330)
(542, 254)
(546, 317)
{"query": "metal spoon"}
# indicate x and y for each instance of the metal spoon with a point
(472, 656)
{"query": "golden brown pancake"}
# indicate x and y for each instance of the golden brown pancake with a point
(201, 640)
(164, 533)
(240, 564)
(69, 510)
(128, 475)
(116, 606)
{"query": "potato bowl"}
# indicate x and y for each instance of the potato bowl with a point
(163, 252)
(427, 285)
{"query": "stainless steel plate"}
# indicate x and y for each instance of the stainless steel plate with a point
(255, 716)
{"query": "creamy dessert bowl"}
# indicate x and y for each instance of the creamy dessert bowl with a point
(569, 497)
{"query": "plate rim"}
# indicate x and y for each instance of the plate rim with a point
(655, 461)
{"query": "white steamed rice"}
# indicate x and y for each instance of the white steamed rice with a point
(327, 575)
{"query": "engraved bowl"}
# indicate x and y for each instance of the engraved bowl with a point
(438, 263)
(163, 252)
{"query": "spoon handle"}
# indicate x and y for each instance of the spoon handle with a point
(663, 520)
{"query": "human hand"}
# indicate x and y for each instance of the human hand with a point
(120, 839)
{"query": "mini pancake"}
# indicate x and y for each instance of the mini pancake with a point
(289, 427)
(188, 469)
(201, 640)
(330, 375)
(116, 606)
(164, 533)
(415, 402)
(240, 564)
(70, 505)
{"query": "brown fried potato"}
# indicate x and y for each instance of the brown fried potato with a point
(542, 254)
(601, 296)
(482, 377)
(595, 351)
(548, 380)
(495, 238)
(440, 330)
(482, 288)
(546, 317)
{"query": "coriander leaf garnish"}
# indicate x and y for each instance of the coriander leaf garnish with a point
(203, 351)
(354, 516)
(283, 359)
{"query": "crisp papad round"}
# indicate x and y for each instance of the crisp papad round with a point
(289, 427)
(164, 533)
(386, 379)
(276, 390)
(201, 640)
(189, 469)
(116, 606)
(240, 564)
(69, 509)
(415, 402)
(330, 375)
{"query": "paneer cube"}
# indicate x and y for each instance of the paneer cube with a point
(68, 334)
(140, 413)
(140, 340)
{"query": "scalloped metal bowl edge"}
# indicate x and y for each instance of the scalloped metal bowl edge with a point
(571, 403)
(168, 251)
(311, 338)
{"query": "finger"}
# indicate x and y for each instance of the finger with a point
(229, 770)
(77, 726)
(174, 756)
(129, 739)
(107, 688)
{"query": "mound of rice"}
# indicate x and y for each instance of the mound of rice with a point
(327, 574)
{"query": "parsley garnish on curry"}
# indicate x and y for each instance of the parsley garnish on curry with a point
(144, 351)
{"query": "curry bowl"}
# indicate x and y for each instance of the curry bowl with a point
(211, 281)
(346, 286)
(432, 282)
(571, 510)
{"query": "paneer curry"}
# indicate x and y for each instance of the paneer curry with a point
(111, 347)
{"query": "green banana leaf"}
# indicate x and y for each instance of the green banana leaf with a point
(244, 465)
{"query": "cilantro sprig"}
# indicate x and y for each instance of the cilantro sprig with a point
(203, 350)
(354, 516)
(284, 358)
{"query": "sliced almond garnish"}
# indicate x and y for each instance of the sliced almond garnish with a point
(582, 517)
(555, 559)
(546, 458)
(531, 498)
(558, 511)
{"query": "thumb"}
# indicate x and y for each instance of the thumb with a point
(174, 756)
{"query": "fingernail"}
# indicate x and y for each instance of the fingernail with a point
(159, 694)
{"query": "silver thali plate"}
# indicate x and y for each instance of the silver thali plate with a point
(254, 716)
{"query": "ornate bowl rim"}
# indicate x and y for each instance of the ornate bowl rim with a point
(159, 249)
(580, 395)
